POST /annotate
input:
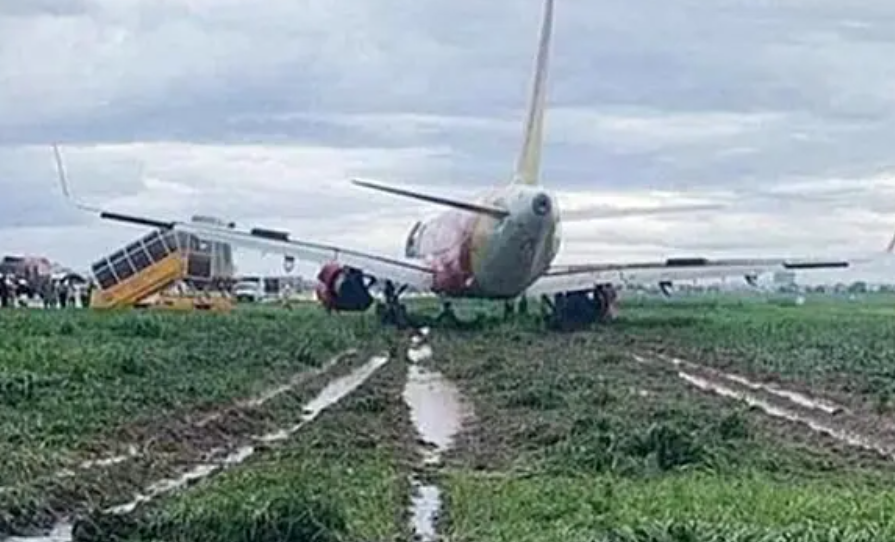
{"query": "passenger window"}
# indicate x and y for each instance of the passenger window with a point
(157, 250)
(139, 257)
(104, 277)
(122, 268)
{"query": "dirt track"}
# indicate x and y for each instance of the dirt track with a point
(508, 421)
(163, 454)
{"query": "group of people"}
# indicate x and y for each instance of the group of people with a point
(50, 293)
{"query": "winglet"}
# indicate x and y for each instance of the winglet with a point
(891, 247)
(63, 182)
(529, 162)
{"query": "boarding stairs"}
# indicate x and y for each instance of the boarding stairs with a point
(159, 262)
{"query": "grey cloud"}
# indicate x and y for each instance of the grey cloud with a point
(52, 8)
(735, 95)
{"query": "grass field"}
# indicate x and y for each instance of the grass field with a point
(83, 386)
(619, 433)
(575, 439)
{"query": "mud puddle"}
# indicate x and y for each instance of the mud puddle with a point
(60, 533)
(437, 411)
(271, 394)
(334, 392)
(819, 416)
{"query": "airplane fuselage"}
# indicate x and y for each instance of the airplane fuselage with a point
(475, 255)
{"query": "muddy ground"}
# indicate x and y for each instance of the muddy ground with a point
(356, 455)
(120, 464)
(589, 410)
(536, 394)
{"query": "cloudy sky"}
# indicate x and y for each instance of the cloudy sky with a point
(260, 112)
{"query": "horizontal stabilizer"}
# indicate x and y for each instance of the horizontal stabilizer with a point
(466, 206)
(597, 212)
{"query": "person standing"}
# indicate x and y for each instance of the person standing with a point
(62, 294)
(4, 291)
(86, 292)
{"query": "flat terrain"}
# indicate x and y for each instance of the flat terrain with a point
(595, 434)
(690, 419)
(93, 405)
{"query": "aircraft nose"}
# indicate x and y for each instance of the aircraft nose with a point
(541, 204)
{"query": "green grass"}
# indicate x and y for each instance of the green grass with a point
(686, 507)
(573, 404)
(344, 477)
(846, 348)
(290, 496)
(576, 441)
(573, 440)
(72, 380)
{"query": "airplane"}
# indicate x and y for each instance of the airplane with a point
(500, 245)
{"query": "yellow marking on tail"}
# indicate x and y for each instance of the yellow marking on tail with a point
(529, 164)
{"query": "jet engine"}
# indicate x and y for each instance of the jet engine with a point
(343, 288)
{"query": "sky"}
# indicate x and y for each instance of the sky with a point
(261, 113)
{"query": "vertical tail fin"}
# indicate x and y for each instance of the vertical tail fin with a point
(529, 162)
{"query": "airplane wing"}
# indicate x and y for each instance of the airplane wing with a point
(578, 277)
(400, 271)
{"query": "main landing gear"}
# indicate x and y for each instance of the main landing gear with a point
(570, 311)
(567, 311)
(392, 311)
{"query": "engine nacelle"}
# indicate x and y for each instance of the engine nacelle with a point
(343, 288)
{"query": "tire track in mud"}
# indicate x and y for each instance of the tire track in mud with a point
(140, 449)
(222, 459)
(818, 415)
(334, 392)
(438, 411)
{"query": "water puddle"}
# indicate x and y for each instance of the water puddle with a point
(421, 353)
(133, 452)
(273, 393)
(437, 413)
(334, 392)
(60, 533)
(791, 396)
(425, 503)
(435, 409)
(705, 383)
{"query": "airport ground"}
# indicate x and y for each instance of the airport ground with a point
(708, 418)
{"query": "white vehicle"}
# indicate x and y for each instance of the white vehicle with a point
(248, 291)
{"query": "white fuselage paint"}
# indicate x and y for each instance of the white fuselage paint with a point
(482, 256)
(520, 247)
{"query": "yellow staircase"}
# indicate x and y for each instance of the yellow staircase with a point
(147, 267)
